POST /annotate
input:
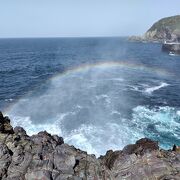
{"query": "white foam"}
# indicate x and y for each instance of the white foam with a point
(85, 109)
(9, 100)
(32, 128)
(173, 54)
(117, 79)
(102, 96)
(90, 138)
(178, 113)
(163, 119)
(98, 139)
(115, 112)
(150, 90)
(134, 88)
(144, 88)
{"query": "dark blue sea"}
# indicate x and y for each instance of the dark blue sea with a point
(98, 93)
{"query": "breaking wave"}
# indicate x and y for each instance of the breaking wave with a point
(96, 110)
(150, 90)
(159, 123)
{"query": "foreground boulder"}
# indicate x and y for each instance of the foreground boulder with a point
(47, 157)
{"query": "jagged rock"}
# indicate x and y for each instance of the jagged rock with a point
(44, 156)
(64, 161)
(142, 146)
(5, 160)
(59, 140)
(20, 162)
(39, 175)
(1, 117)
(19, 130)
(5, 126)
(176, 148)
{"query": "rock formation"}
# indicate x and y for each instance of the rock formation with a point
(166, 29)
(47, 157)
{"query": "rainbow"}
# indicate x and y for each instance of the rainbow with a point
(114, 64)
(103, 65)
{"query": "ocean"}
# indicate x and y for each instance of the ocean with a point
(97, 93)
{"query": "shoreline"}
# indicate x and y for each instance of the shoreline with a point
(46, 156)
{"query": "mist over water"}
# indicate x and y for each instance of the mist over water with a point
(97, 109)
(102, 107)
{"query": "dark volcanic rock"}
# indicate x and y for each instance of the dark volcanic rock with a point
(5, 126)
(141, 147)
(19, 130)
(46, 157)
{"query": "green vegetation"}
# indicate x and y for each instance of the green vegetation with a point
(171, 23)
(165, 29)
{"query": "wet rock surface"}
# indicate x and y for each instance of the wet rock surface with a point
(47, 157)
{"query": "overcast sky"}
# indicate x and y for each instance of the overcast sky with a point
(74, 18)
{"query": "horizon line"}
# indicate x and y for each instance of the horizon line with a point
(43, 37)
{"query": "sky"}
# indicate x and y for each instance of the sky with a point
(81, 18)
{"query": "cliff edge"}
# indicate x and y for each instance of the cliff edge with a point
(47, 157)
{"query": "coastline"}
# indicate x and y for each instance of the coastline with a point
(46, 156)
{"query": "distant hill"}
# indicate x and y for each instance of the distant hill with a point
(165, 29)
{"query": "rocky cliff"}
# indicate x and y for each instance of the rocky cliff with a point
(166, 29)
(47, 157)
